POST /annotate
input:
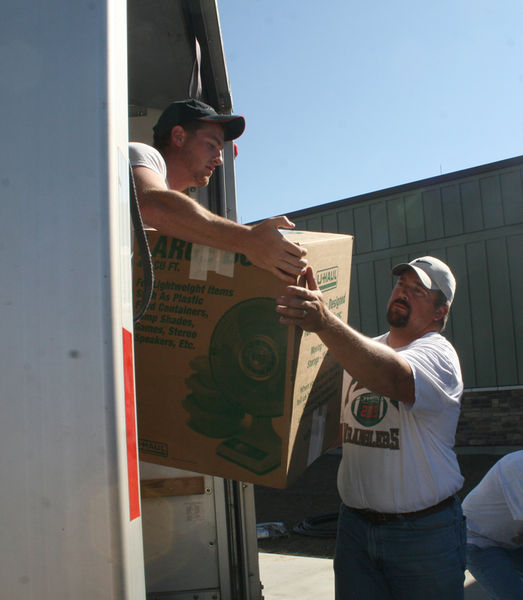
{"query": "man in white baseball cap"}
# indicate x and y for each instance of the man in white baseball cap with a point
(401, 531)
(434, 274)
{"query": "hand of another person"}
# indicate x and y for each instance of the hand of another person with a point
(267, 248)
(304, 306)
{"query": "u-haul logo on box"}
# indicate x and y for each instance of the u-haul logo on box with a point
(155, 448)
(327, 278)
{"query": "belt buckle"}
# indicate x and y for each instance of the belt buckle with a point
(377, 518)
(382, 518)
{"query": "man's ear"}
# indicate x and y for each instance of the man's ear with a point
(441, 311)
(178, 135)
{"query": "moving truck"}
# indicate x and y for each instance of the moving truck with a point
(79, 79)
(82, 517)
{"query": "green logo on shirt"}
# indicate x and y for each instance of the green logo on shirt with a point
(369, 409)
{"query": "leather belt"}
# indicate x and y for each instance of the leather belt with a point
(377, 518)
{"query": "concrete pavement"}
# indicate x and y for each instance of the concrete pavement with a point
(287, 577)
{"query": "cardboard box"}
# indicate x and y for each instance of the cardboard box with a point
(222, 387)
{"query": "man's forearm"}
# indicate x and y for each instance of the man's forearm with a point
(175, 214)
(374, 365)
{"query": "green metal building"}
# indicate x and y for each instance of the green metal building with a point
(473, 220)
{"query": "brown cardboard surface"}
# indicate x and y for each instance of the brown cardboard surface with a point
(222, 387)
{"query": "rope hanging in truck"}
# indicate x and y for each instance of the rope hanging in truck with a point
(143, 245)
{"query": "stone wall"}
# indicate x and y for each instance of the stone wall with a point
(491, 418)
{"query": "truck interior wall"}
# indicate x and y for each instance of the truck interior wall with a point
(201, 544)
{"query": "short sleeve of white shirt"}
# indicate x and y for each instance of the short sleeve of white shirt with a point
(437, 373)
(142, 155)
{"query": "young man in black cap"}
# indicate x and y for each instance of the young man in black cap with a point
(401, 533)
(189, 139)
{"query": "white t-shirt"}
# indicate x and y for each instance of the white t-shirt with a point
(494, 508)
(399, 458)
(142, 155)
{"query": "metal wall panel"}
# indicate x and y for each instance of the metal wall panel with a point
(515, 252)
(471, 219)
(70, 524)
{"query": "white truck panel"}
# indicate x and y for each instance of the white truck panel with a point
(70, 525)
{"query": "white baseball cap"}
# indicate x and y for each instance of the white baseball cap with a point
(434, 274)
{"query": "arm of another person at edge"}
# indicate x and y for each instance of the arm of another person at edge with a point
(176, 214)
(373, 364)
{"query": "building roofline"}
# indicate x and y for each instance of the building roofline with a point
(400, 189)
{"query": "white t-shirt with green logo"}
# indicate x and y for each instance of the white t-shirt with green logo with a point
(399, 458)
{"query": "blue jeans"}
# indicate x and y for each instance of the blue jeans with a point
(413, 559)
(498, 570)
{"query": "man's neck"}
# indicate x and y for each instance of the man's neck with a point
(175, 176)
(400, 336)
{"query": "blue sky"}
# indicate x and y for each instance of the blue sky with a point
(343, 98)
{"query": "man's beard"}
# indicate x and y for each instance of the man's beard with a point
(398, 319)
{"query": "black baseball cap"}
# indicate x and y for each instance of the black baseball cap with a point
(183, 111)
